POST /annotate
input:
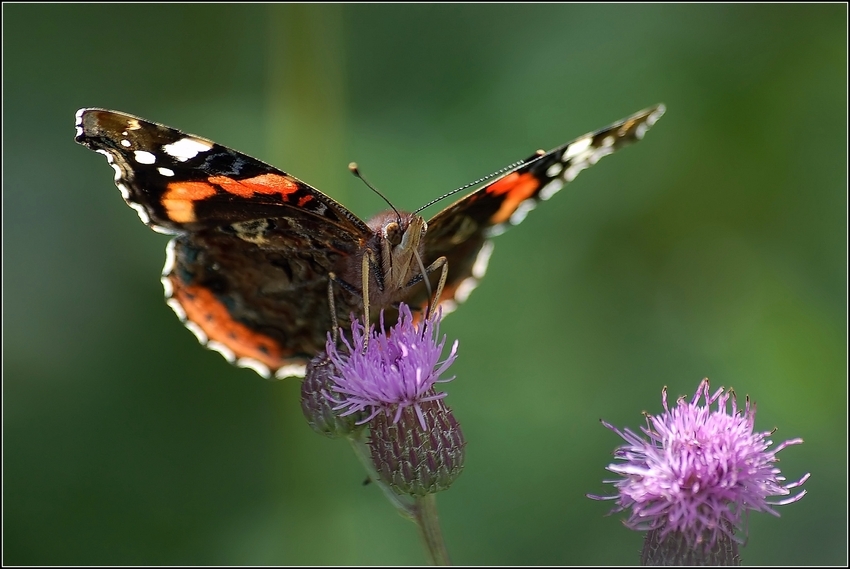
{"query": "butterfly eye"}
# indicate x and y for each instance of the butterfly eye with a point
(393, 233)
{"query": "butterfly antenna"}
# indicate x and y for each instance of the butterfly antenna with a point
(356, 171)
(499, 172)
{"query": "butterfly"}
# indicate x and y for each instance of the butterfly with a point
(259, 257)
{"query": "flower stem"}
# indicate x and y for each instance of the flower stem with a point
(429, 529)
(422, 510)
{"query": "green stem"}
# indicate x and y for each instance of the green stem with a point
(429, 529)
(422, 510)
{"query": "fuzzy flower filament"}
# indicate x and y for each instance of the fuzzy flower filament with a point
(396, 370)
(700, 471)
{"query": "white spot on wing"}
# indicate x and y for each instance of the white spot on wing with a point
(125, 192)
(465, 288)
(196, 330)
(448, 306)
(573, 171)
(522, 210)
(294, 370)
(169, 258)
(479, 268)
(167, 287)
(79, 123)
(186, 148)
(600, 153)
(178, 310)
(253, 364)
(554, 169)
(111, 161)
(165, 172)
(223, 350)
(551, 189)
(163, 230)
(143, 157)
(126, 143)
(577, 148)
(143, 215)
(653, 117)
(496, 230)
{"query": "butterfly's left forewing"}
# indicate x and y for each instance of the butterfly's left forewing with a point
(248, 269)
(461, 233)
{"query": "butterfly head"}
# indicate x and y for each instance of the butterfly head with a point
(399, 230)
(398, 239)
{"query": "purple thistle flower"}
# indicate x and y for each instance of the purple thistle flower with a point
(416, 445)
(398, 369)
(699, 472)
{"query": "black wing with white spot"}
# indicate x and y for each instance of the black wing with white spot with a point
(461, 232)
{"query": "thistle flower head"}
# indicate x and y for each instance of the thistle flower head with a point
(318, 405)
(416, 445)
(700, 471)
(393, 370)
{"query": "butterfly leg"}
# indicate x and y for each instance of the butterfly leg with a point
(368, 261)
(443, 264)
(332, 306)
(333, 278)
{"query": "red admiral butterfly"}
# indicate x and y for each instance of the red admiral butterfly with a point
(248, 271)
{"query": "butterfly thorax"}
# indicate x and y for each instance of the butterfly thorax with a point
(396, 241)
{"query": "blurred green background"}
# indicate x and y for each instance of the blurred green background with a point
(716, 247)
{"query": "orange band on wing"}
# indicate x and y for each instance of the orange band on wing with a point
(517, 188)
(179, 200)
(263, 184)
(205, 310)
